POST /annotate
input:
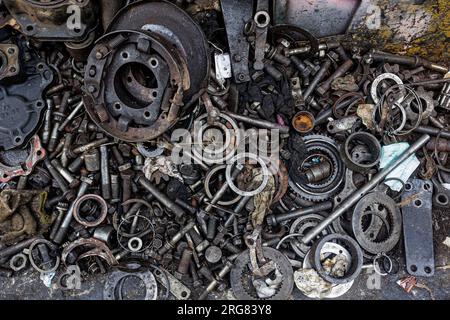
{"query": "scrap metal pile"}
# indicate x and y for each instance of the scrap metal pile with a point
(208, 153)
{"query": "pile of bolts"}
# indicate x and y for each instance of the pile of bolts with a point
(211, 153)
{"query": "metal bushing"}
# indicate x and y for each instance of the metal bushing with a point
(303, 122)
(77, 207)
(356, 262)
(361, 152)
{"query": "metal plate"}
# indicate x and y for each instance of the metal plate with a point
(236, 13)
(177, 289)
(418, 228)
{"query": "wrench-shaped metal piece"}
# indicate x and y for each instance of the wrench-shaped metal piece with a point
(261, 21)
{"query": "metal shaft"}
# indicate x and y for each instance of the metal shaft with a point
(275, 219)
(165, 200)
(358, 194)
(258, 123)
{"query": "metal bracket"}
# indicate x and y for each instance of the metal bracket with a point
(236, 14)
(418, 227)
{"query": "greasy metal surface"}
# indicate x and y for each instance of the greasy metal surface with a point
(418, 228)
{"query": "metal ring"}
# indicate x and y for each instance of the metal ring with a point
(207, 182)
(103, 210)
(231, 183)
(214, 158)
(33, 263)
(135, 244)
(13, 262)
(356, 258)
(373, 149)
(265, 16)
(377, 81)
(376, 265)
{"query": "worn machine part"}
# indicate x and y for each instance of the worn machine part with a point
(427, 103)
(236, 14)
(9, 60)
(207, 144)
(303, 122)
(377, 223)
(175, 28)
(418, 228)
(319, 149)
(21, 162)
(89, 247)
(207, 185)
(361, 152)
(149, 151)
(44, 247)
(134, 92)
(343, 124)
(242, 278)
(441, 195)
(296, 34)
(236, 160)
(444, 96)
(53, 20)
(18, 262)
(132, 239)
(375, 88)
(114, 285)
(261, 22)
(300, 227)
(22, 104)
(350, 186)
(176, 287)
(352, 271)
(355, 196)
(336, 290)
(91, 220)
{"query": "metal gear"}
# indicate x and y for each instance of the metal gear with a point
(301, 226)
(319, 148)
(377, 223)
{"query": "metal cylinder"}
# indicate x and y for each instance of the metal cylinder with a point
(276, 219)
(183, 266)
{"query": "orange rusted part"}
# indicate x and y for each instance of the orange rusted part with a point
(303, 122)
